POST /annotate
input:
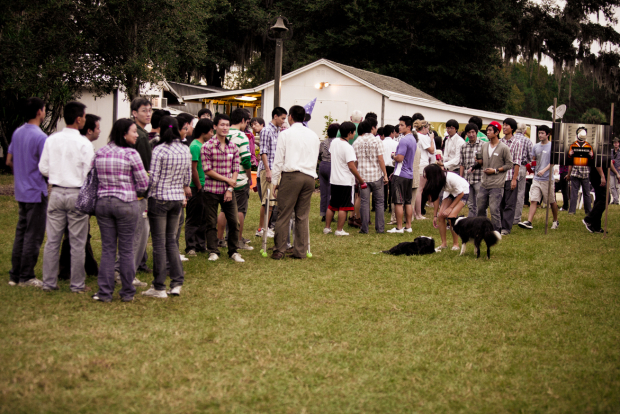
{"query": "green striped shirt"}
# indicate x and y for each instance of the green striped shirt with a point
(245, 158)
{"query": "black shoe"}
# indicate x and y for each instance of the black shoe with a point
(323, 218)
(588, 226)
(526, 225)
(98, 299)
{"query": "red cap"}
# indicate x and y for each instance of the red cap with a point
(496, 125)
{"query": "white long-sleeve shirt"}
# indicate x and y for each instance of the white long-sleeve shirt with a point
(452, 152)
(297, 150)
(66, 158)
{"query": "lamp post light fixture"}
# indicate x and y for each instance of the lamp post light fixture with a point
(279, 29)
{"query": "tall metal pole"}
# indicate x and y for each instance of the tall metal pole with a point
(277, 83)
(551, 175)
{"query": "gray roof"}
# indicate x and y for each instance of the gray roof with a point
(185, 89)
(386, 83)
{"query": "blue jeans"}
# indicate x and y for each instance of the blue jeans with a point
(491, 197)
(29, 235)
(164, 221)
(117, 224)
(472, 201)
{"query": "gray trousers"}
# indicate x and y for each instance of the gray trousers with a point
(472, 201)
(376, 188)
(613, 187)
(61, 213)
(140, 237)
(520, 194)
(584, 183)
(507, 207)
(491, 197)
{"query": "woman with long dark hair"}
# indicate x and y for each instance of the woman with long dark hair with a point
(455, 191)
(325, 167)
(169, 187)
(122, 178)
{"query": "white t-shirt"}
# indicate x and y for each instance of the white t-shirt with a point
(342, 153)
(491, 149)
(389, 146)
(455, 185)
(424, 143)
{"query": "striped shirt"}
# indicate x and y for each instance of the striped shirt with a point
(171, 170)
(120, 172)
(367, 149)
(268, 143)
(516, 146)
(225, 163)
(239, 139)
(528, 147)
(468, 160)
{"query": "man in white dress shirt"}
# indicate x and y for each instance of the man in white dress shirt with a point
(294, 167)
(66, 160)
(452, 147)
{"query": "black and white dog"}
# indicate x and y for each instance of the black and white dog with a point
(419, 246)
(478, 229)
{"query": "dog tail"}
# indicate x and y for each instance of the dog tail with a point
(491, 238)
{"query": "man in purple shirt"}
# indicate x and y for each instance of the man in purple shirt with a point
(402, 179)
(30, 192)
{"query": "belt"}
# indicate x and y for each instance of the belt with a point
(66, 188)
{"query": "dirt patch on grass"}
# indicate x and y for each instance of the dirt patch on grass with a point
(7, 190)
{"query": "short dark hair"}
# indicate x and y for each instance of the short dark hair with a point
(452, 123)
(477, 121)
(407, 120)
(307, 118)
(380, 131)
(545, 129)
(332, 130)
(278, 111)
(205, 111)
(512, 123)
(169, 130)
(139, 102)
(370, 115)
(72, 111)
(364, 127)
(203, 126)
(261, 121)
(219, 117)
(91, 123)
(471, 126)
(372, 121)
(346, 128)
(417, 116)
(119, 130)
(388, 130)
(237, 116)
(496, 129)
(246, 115)
(157, 115)
(298, 113)
(32, 106)
(184, 118)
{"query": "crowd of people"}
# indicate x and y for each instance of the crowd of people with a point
(197, 173)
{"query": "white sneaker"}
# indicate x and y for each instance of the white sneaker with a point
(155, 293)
(555, 225)
(341, 233)
(327, 230)
(259, 233)
(117, 277)
(191, 253)
(409, 230)
(34, 282)
(213, 257)
(137, 282)
(175, 291)
(270, 233)
(237, 258)
(456, 248)
(243, 246)
(395, 230)
(11, 283)
(183, 258)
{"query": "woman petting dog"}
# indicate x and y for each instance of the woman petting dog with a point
(455, 190)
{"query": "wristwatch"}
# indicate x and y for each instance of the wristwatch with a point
(496, 171)
(229, 189)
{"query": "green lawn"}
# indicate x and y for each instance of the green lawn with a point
(535, 329)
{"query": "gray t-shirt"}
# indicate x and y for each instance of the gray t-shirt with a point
(543, 156)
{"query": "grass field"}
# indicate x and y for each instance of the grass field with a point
(535, 329)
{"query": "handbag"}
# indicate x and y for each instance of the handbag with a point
(87, 198)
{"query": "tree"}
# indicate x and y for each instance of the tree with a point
(593, 116)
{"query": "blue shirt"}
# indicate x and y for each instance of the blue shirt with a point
(406, 146)
(26, 147)
(543, 156)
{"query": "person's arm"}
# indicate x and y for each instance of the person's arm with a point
(195, 177)
(353, 169)
(219, 177)
(435, 211)
(515, 177)
(140, 177)
(264, 145)
(613, 169)
(9, 160)
(446, 213)
(382, 165)
(44, 162)
(278, 162)
(602, 174)
(431, 148)
(456, 160)
(507, 161)
(570, 168)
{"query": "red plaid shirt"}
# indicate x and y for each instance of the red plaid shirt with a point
(225, 163)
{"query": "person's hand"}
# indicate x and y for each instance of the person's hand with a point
(469, 171)
(188, 192)
(489, 171)
(435, 221)
(618, 176)
(540, 173)
(268, 175)
(603, 181)
(567, 178)
(250, 181)
(228, 196)
(386, 180)
(231, 182)
(513, 184)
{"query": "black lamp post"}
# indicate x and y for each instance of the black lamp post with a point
(279, 30)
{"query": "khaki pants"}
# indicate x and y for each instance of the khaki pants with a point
(294, 196)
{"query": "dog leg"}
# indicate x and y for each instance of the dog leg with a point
(477, 250)
(488, 252)
(463, 245)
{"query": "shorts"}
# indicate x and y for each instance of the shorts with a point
(242, 197)
(402, 190)
(264, 186)
(539, 191)
(451, 198)
(341, 198)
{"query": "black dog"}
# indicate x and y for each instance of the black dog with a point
(419, 246)
(478, 229)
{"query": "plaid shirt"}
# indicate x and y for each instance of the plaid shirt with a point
(528, 147)
(516, 147)
(171, 170)
(582, 172)
(121, 173)
(225, 163)
(367, 148)
(468, 159)
(267, 144)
